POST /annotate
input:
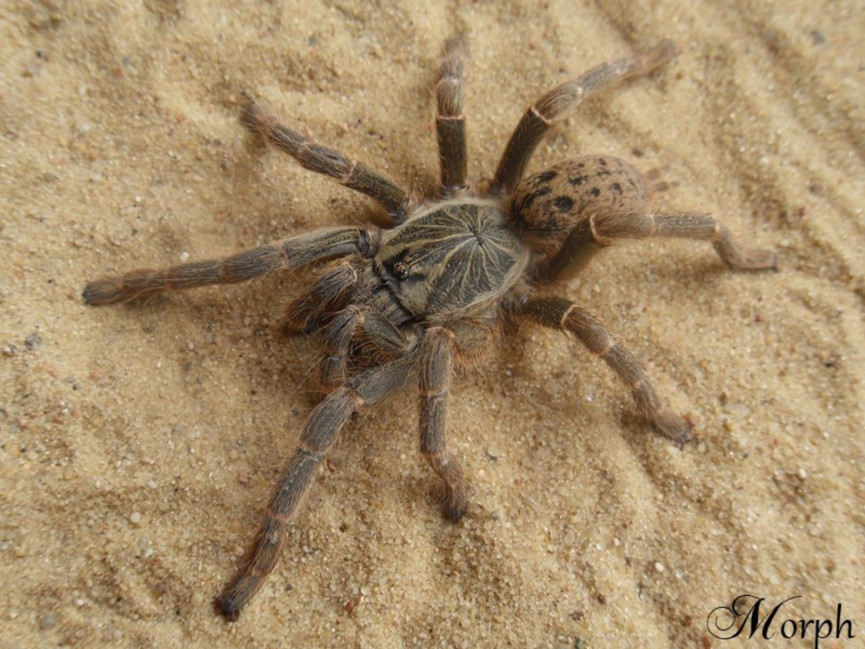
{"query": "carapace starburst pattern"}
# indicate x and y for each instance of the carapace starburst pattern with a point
(400, 304)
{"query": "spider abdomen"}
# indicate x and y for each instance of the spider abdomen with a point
(452, 257)
(548, 206)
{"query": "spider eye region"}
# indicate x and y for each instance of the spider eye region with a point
(401, 270)
(452, 257)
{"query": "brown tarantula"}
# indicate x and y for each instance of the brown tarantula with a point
(402, 303)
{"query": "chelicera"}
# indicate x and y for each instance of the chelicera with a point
(401, 304)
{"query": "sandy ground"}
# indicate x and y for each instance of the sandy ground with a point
(138, 444)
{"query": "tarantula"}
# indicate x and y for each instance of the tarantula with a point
(402, 303)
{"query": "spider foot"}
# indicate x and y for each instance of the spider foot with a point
(453, 505)
(237, 594)
(674, 426)
(738, 257)
(226, 607)
(755, 260)
(451, 494)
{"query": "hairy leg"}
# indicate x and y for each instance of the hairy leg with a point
(434, 377)
(450, 121)
(545, 111)
(600, 230)
(315, 157)
(364, 325)
(319, 434)
(331, 293)
(562, 314)
(287, 254)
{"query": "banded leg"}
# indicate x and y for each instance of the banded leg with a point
(450, 121)
(563, 98)
(318, 436)
(315, 157)
(599, 231)
(331, 293)
(562, 314)
(434, 378)
(358, 323)
(287, 254)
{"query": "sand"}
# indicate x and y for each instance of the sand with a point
(138, 444)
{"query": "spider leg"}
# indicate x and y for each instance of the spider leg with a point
(684, 225)
(708, 228)
(331, 293)
(545, 111)
(434, 376)
(315, 157)
(599, 231)
(563, 314)
(450, 121)
(318, 436)
(372, 327)
(288, 254)
(337, 345)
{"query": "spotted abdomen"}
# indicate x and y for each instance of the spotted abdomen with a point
(549, 206)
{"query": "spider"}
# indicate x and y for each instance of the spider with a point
(402, 304)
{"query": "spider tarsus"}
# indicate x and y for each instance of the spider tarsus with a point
(226, 607)
(237, 594)
(251, 115)
(95, 292)
(673, 426)
(452, 500)
(106, 291)
(736, 256)
(663, 52)
(453, 510)
(755, 260)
